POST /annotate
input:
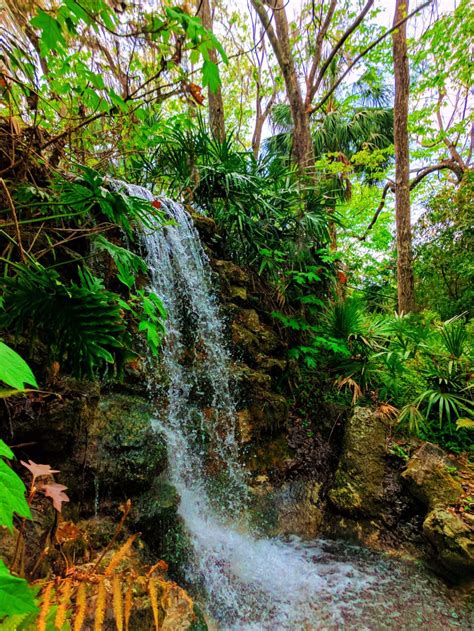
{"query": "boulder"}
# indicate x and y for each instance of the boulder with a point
(453, 538)
(358, 487)
(429, 478)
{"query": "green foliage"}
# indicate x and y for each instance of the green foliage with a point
(12, 491)
(129, 265)
(443, 236)
(16, 596)
(80, 322)
(14, 371)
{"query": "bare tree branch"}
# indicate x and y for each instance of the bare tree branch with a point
(339, 45)
(366, 51)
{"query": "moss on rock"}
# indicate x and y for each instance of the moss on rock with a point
(358, 487)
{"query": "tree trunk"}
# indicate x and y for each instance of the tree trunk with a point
(215, 102)
(406, 292)
(303, 152)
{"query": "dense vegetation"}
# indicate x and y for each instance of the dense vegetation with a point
(283, 124)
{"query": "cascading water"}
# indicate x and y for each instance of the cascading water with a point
(253, 583)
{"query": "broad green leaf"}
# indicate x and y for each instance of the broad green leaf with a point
(51, 37)
(210, 76)
(14, 371)
(12, 496)
(16, 596)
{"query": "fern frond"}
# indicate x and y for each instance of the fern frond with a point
(128, 604)
(100, 606)
(152, 591)
(45, 606)
(81, 606)
(117, 601)
(64, 601)
(119, 555)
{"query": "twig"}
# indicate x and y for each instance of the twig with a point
(15, 218)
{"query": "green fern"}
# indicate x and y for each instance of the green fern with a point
(81, 323)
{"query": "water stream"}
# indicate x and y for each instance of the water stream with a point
(250, 582)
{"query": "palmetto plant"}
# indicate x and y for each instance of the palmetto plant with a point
(81, 322)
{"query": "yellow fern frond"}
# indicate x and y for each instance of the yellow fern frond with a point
(154, 601)
(117, 601)
(81, 606)
(128, 604)
(64, 600)
(45, 604)
(119, 555)
(100, 606)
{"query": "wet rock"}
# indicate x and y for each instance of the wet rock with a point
(358, 487)
(238, 293)
(130, 453)
(206, 226)
(299, 512)
(453, 538)
(429, 477)
(244, 426)
(230, 272)
(253, 337)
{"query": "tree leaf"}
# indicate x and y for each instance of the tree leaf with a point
(14, 371)
(12, 492)
(210, 76)
(16, 597)
(56, 493)
(37, 470)
(51, 35)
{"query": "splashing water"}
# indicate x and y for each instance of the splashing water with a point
(251, 583)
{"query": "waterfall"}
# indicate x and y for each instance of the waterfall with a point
(251, 583)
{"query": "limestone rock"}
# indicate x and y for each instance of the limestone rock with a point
(252, 336)
(230, 272)
(429, 479)
(238, 293)
(358, 487)
(453, 538)
(206, 226)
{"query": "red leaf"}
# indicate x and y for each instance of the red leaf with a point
(38, 470)
(156, 203)
(342, 277)
(56, 493)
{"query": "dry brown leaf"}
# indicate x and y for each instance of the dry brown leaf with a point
(56, 493)
(38, 470)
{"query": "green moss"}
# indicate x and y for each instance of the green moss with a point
(131, 453)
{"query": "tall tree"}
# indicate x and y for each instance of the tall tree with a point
(405, 282)
(215, 101)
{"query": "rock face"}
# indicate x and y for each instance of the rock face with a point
(358, 488)
(366, 492)
(435, 479)
(429, 479)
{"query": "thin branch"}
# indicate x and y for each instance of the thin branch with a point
(390, 187)
(366, 51)
(15, 218)
(339, 45)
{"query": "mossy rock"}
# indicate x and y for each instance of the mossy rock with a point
(429, 477)
(130, 452)
(358, 487)
(453, 538)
